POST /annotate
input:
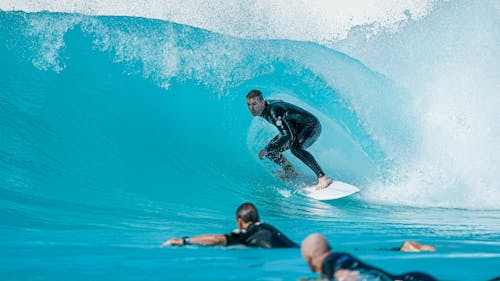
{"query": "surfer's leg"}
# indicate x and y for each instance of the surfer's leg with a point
(308, 159)
(305, 139)
(309, 135)
(280, 159)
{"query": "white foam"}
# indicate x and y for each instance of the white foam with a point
(449, 63)
(320, 21)
(49, 34)
(285, 192)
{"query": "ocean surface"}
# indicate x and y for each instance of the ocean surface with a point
(123, 125)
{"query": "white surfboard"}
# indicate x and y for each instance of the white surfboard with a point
(335, 190)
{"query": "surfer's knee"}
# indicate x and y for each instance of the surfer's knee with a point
(297, 150)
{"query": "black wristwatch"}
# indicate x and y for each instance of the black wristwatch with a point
(186, 241)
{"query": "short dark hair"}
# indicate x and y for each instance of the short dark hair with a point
(247, 212)
(255, 94)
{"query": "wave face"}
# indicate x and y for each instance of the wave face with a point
(151, 103)
(112, 124)
(430, 138)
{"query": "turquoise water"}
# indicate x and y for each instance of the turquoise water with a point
(118, 133)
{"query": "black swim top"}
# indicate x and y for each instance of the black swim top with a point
(337, 261)
(289, 119)
(260, 235)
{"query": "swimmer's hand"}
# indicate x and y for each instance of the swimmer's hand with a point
(173, 242)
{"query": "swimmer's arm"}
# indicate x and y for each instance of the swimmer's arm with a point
(203, 240)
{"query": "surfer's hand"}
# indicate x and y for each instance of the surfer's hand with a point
(262, 153)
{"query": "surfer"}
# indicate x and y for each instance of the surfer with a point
(342, 266)
(250, 232)
(298, 129)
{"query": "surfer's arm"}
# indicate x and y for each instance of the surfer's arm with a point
(203, 240)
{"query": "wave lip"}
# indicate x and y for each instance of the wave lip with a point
(321, 22)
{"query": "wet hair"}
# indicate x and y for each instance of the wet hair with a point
(247, 212)
(255, 94)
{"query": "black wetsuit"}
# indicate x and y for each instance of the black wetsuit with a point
(298, 129)
(336, 261)
(260, 235)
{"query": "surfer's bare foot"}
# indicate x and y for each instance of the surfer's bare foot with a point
(323, 182)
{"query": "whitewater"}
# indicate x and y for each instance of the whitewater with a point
(125, 124)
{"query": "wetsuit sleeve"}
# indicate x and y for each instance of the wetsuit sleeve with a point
(257, 237)
(262, 238)
(338, 261)
(233, 238)
(267, 236)
(286, 132)
(346, 261)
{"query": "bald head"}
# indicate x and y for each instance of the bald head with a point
(314, 249)
(314, 245)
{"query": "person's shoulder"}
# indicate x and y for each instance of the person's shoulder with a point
(277, 107)
(343, 254)
(273, 102)
(339, 256)
(271, 229)
(276, 103)
(263, 225)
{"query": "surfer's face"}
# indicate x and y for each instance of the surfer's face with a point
(256, 106)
